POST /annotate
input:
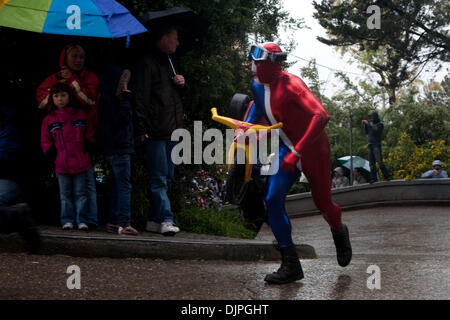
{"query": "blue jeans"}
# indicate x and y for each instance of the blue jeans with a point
(10, 191)
(375, 155)
(92, 198)
(73, 192)
(161, 171)
(120, 195)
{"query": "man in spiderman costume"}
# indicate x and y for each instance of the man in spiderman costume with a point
(304, 146)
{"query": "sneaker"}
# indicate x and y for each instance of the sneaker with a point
(112, 228)
(67, 226)
(83, 226)
(128, 230)
(168, 229)
(153, 226)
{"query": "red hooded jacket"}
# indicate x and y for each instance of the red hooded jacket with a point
(85, 87)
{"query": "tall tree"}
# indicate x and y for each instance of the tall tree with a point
(412, 33)
(421, 112)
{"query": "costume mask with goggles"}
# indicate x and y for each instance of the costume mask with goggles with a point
(266, 61)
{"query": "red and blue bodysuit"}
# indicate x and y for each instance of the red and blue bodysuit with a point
(282, 97)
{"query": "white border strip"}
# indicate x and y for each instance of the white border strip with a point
(273, 121)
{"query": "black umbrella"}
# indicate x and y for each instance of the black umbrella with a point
(192, 28)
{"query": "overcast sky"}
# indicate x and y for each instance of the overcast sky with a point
(309, 47)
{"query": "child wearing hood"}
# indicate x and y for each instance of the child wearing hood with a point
(339, 180)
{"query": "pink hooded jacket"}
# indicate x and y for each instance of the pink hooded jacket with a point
(68, 131)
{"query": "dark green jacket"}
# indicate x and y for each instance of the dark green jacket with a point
(374, 130)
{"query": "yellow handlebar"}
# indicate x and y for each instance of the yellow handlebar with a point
(229, 122)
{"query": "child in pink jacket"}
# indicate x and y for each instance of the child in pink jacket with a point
(67, 133)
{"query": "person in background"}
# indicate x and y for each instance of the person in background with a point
(11, 180)
(15, 216)
(66, 136)
(84, 86)
(83, 83)
(339, 180)
(158, 90)
(116, 141)
(358, 177)
(374, 130)
(437, 171)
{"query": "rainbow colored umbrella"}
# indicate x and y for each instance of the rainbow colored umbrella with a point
(90, 18)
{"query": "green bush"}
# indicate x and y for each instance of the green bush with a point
(299, 187)
(220, 223)
(408, 161)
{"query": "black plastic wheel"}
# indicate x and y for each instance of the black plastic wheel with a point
(238, 106)
(236, 186)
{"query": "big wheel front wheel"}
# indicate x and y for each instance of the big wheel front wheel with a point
(236, 187)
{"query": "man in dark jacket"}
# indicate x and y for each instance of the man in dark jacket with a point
(374, 130)
(159, 111)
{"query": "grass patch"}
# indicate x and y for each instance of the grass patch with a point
(219, 223)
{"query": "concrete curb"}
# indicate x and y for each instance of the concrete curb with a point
(416, 192)
(149, 248)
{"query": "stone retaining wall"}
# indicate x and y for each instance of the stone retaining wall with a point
(395, 192)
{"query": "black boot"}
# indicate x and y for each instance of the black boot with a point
(290, 269)
(343, 246)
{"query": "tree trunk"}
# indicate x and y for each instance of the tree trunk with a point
(392, 96)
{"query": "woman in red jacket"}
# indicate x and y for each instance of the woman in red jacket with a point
(67, 132)
(84, 86)
(83, 83)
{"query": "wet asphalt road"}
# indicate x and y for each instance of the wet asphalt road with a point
(408, 244)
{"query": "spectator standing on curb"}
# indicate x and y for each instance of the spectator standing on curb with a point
(157, 93)
(66, 136)
(14, 216)
(116, 140)
(437, 171)
(11, 180)
(374, 130)
(85, 89)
